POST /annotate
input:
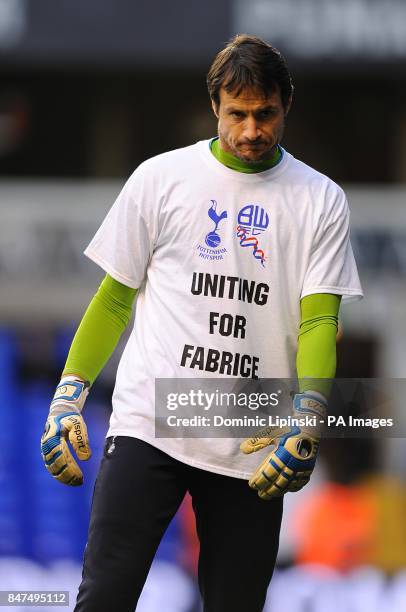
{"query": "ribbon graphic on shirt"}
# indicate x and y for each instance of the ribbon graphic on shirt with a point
(252, 221)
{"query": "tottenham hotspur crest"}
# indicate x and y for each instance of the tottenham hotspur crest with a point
(213, 239)
(212, 250)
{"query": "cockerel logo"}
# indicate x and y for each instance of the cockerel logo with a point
(212, 238)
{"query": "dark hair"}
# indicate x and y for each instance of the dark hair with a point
(248, 61)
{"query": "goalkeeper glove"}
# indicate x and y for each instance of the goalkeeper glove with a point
(290, 464)
(65, 422)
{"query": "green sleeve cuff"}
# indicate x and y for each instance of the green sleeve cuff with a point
(97, 336)
(316, 352)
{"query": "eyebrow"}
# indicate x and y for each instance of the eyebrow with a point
(232, 108)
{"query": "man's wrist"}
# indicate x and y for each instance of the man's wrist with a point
(312, 406)
(71, 393)
(316, 395)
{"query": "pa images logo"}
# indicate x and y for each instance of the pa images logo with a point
(252, 220)
(212, 249)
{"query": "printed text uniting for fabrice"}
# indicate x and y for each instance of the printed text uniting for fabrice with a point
(231, 287)
(210, 359)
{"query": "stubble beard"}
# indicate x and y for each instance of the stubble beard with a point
(267, 154)
(233, 149)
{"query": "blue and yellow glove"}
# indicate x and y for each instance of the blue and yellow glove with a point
(290, 464)
(65, 423)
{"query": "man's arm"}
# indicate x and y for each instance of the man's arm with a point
(95, 340)
(105, 319)
(289, 466)
(316, 349)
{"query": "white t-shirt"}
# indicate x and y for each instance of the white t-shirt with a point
(198, 238)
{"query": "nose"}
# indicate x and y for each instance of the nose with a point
(251, 129)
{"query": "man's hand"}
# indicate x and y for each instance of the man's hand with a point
(65, 422)
(290, 464)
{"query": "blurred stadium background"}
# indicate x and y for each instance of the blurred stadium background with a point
(88, 91)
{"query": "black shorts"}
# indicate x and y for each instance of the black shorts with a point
(137, 492)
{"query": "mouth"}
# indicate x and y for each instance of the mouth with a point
(253, 145)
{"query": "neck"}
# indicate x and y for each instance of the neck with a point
(233, 162)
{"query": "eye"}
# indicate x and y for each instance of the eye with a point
(266, 113)
(237, 114)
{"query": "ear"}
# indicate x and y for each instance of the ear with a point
(215, 108)
(289, 105)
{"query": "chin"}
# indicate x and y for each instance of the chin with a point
(253, 157)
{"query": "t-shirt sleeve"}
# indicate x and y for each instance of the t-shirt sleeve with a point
(124, 243)
(331, 267)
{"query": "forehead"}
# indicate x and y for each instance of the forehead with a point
(250, 97)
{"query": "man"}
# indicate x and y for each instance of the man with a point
(233, 229)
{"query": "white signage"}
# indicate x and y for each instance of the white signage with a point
(13, 22)
(338, 29)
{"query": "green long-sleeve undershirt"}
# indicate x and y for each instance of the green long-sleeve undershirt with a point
(316, 347)
(105, 319)
(109, 312)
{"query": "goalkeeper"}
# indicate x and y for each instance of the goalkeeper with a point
(236, 207)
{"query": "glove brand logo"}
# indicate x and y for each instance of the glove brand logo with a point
(264, 433)
(69, 392)
(312, 406)
(78, 432)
